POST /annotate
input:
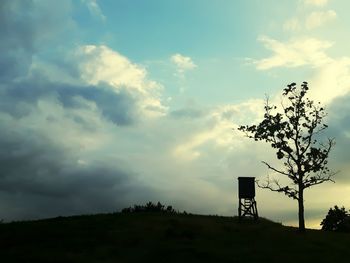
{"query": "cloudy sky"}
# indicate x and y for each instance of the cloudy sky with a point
(109, 103)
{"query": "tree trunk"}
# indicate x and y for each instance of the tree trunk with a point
(301, 209)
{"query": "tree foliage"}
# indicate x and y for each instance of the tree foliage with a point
(337, 219)
(293, 134)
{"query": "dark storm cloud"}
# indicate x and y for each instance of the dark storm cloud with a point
(339, 125)
(118, 108)
(25, 26)
(40, 178)
(15, 57)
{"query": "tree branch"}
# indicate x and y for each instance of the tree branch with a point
(319, 180)
(290, 192)
(274, 169)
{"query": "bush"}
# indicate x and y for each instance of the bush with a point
(337, 219)
(150, 207)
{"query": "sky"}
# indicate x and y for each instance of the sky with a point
(109, 103)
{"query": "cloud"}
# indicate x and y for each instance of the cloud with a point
(292, 24)
(217, 126)
(85, 129)
(182, 63)
(295, 53)
(100, 64)
(189, 112)
(60, 112)
(82, 134)
(94, 77)
(339, 127)
(41, 177)
(313, 20)
(94, 9)
(318, 18)
(318, 3)
(52, 160)
(331, 80)
(24, 32)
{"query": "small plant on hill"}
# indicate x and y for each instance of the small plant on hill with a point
(337, 219)
(150, 207)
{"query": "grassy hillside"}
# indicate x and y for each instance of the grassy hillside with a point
(156, 237)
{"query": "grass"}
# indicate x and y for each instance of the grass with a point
(157, 237)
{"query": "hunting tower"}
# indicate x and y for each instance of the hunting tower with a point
(246, 194)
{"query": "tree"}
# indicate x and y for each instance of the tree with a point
(293, 133)
(337, 219)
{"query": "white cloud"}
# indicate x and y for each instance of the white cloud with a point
(94, 9)
(331, 80)
(318, 18)
(295, 53)
(313, 20)
(217, 129)
(319, 3)
(292, 24)
(182, 63)
(100, 64)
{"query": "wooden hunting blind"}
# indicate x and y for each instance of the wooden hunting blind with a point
(246, 194)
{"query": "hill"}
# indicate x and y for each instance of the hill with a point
(157, 237)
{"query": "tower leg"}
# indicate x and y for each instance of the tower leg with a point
(247, 207)
(240, 209)
(256, 211)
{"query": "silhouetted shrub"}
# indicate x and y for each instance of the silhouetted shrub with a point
(150, 207)
(337, 219)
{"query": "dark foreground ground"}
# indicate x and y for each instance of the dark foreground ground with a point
(156, 237)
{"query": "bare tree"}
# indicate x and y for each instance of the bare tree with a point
(293, 134)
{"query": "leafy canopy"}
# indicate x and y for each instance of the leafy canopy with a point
(293, 134)
(337, 219)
